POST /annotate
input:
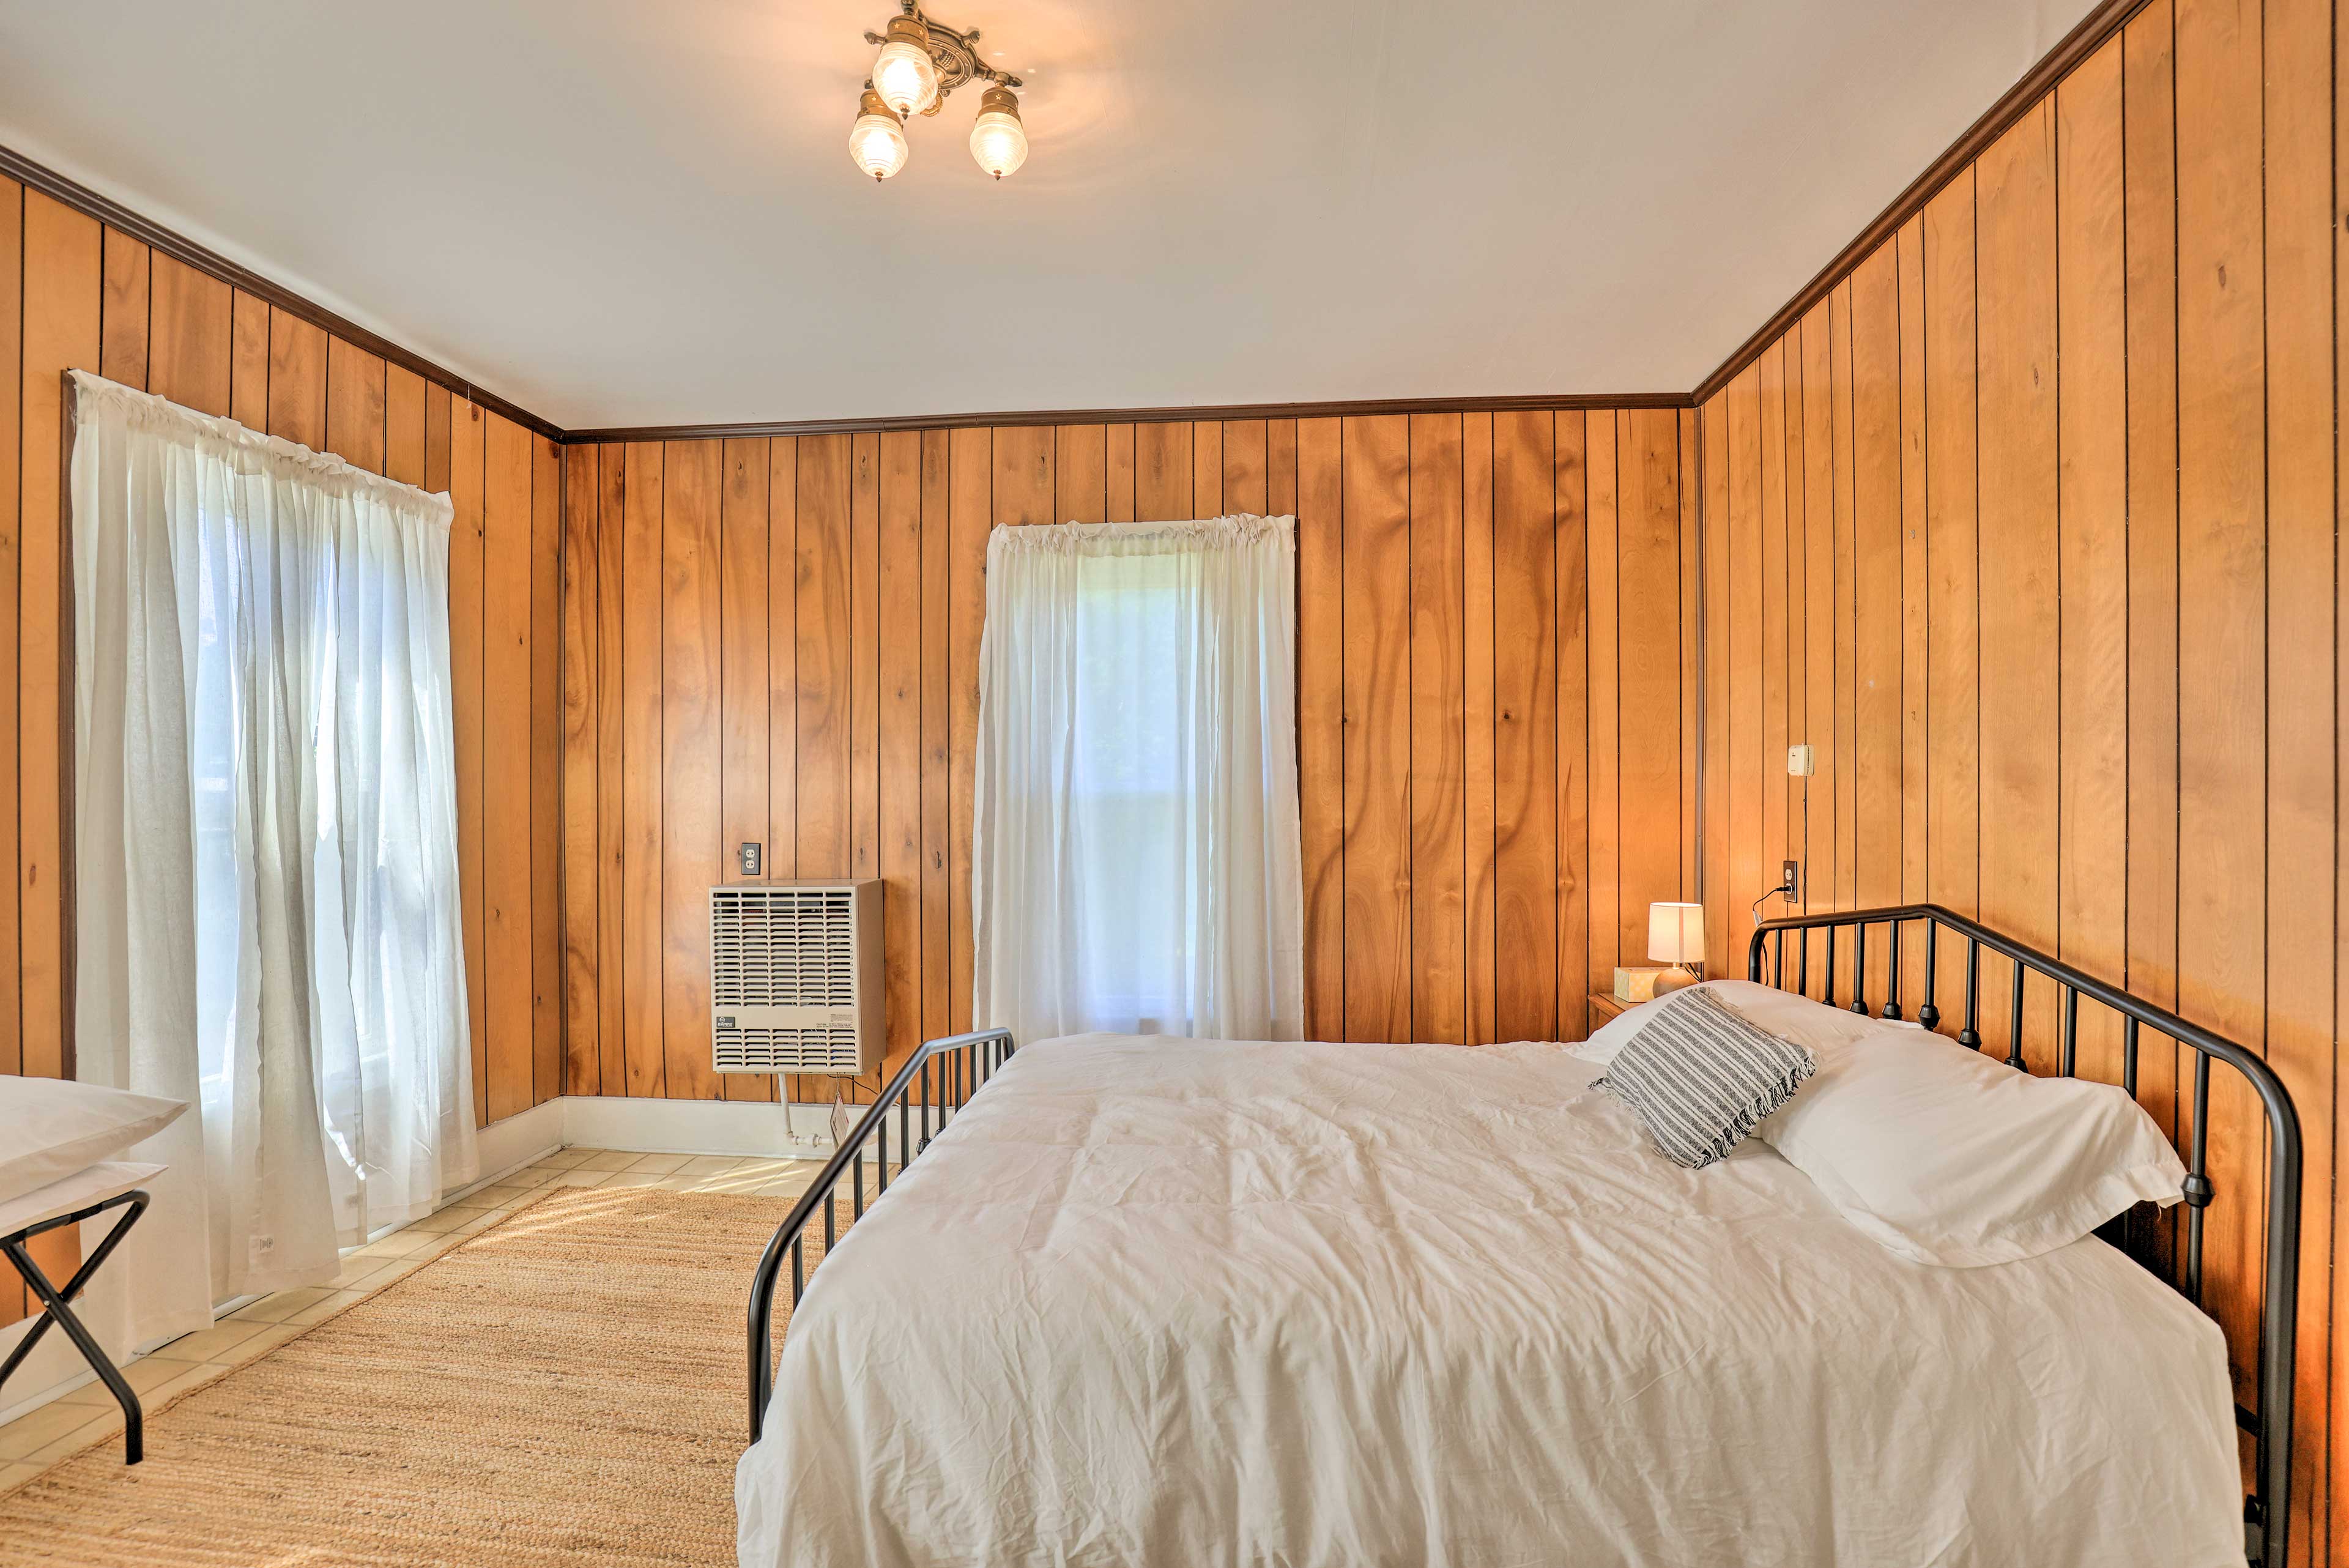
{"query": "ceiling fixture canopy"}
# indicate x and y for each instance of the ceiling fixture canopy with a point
(921, 61)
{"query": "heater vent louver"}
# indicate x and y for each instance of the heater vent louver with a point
(796, 977)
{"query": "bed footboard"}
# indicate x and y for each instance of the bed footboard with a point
(949, 1071)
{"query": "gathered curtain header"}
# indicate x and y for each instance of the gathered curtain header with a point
(1139, 538)
(248, 452)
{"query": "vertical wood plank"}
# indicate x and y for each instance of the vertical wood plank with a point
(1524, 737)
(1161, 472)
(2092, 514)
(1713, 428)
(1241, 484)
(357, 401)
(1377, 842)
(505, 761)
(1648, 623)
(1569, 601)
(937, 734)
(1206, 469)
(544, 724)
(2149, 229)
(970, 505)
(12, 407)
(1952, 824)
(65, 286)
(1481, 724)
(692, 661)
(900, 734)
(248, 362)
(2016, 540)
(1119, 439)
(1603, 739)
(745, 701)
(1280, 468)
(1879, 592)
(1747, 880)
(1916, 599)
(1080, 474)
(123, 311)
(1321, 720)
(613, 728)
(187, 351)
(584, 678)
(1438, 741)
(13, 1297)
(642, 581)
(2222, 652)
(2302, 940)
(403, 425)
(824, 676)
(297, 380)
(864, 655)
(468, 442)
(1811, 562)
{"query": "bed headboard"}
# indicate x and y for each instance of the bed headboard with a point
(2267, 1510)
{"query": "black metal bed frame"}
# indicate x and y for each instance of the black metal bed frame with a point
(951, 1070)
(2267, 1511)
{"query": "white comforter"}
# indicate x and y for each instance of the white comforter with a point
(1165, 1303)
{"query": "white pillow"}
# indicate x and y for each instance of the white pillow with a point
(1947, 1156)
(1784, 1013)
(51, 1128)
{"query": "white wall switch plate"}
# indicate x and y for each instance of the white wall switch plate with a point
(1800, 762)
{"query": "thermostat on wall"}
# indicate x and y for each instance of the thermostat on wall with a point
(1800, 763)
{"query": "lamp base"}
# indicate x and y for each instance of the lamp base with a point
(1674, 979)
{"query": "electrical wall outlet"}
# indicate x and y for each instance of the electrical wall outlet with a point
(749, 857)
(1790, 872)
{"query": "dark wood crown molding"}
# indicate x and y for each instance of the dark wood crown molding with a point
(1359, 408)
(115, 215)
(2094, 29)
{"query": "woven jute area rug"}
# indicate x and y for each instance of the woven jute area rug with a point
(564, 1388)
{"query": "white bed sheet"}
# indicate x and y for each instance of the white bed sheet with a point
(1151, 1303)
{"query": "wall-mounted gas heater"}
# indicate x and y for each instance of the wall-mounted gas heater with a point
(796, 977)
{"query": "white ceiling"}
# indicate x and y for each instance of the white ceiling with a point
(641, 212)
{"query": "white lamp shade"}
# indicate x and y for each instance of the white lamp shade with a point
(1676, 934)
(876, 144)
(905, 76)
(998, 143)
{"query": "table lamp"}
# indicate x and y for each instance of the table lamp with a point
(1676, 937)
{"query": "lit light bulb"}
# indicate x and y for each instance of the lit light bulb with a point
(904, 75)
(997, 139)
(876, 143)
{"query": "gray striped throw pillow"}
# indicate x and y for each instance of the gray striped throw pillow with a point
(1702, 1078)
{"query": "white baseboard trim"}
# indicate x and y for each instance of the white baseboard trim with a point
(767, 1130)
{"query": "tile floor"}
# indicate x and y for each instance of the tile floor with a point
(32, 1442)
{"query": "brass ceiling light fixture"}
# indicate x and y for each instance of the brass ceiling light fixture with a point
(921, 61)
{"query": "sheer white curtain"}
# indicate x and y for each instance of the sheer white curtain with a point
(265, 848)
(1134, 837)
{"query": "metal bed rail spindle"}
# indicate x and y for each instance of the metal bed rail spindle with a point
(2266, 1512)
(943, 1069)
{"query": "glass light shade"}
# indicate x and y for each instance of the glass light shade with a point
(904, 75)
(998, 140)
(1676, 932)
(876, 143)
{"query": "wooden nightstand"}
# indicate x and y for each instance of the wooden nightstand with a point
(1606, 1007)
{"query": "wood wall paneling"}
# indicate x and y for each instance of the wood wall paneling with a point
(793, 634)
(2088, 654)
